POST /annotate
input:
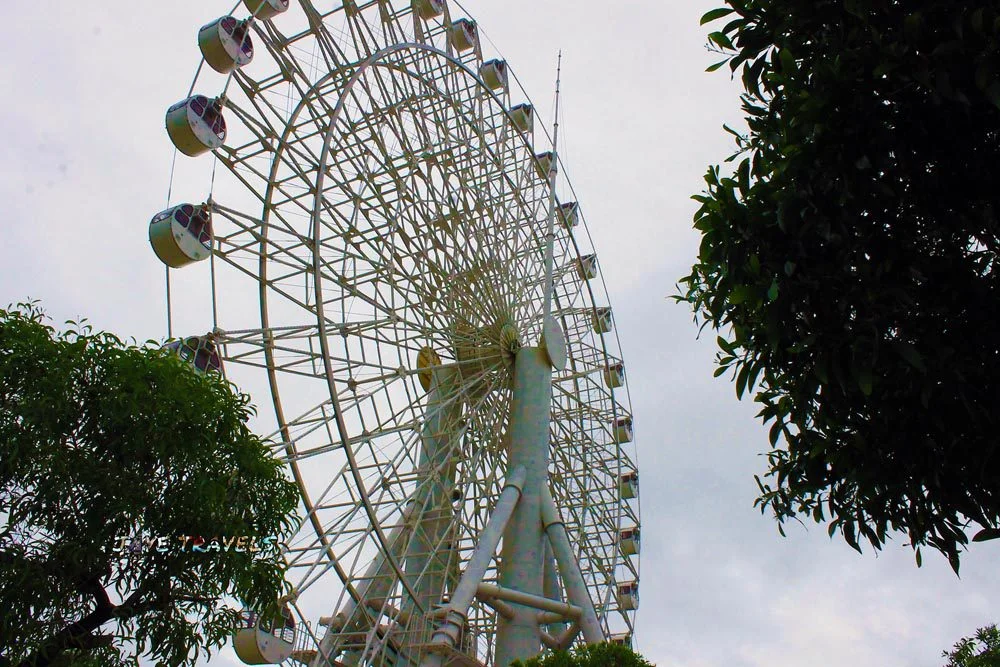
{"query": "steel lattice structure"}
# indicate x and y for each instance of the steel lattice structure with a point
(379, 209)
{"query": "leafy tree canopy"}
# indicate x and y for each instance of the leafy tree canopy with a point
(983, 650)
(102, 440)
(850, 260)
(591, 655)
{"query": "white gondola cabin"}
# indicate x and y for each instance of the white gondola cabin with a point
(621, 639)
(199, 351)
(614, 375)
(602, 320)
(428, 9)
(494, 74)
(225, 44)
(586, 267)
(628, 541)
(182, 235)
(623, 430)
(628, 485)
(196, 125)
(628, 596)
(464, 35)
(545, 165)
(569, 213)
(266, 9)
(262, 643)
(523, 117)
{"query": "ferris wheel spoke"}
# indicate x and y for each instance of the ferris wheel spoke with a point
(245, 243)
(389, 32)
(410, 148)
(333, 56)
(278, 47)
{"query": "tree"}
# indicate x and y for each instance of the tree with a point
(590, 655)
(850, 261)
(983, 650)
(135, 501)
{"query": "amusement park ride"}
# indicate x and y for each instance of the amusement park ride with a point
(388, 256)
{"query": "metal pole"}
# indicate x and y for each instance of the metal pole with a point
(551, 584)
(576, 587)
(522, 565)
(550, 236)
(543, 604)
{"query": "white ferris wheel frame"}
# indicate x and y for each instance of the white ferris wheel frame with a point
(268, 346)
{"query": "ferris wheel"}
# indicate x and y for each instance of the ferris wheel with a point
(379, 231)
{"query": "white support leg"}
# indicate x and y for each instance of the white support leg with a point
(569, 568)
(551, 583)
(522, 566)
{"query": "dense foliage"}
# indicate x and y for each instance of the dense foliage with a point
(850, 260)
(105, 447)
(983, 650)
(591, 655)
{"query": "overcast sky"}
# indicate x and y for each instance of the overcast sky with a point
(84, 163)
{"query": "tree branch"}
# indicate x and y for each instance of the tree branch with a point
(78, 634)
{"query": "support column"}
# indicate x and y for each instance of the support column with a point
(426, 562)
(422, 522)
(551, 584)
(456, 613)
(569, 568)
(522, 563)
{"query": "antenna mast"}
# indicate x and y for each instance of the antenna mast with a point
(550, 237)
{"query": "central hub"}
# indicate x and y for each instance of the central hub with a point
(481, 350)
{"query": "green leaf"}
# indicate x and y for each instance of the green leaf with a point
(715, 14)
(993, 93)
(912, 25)
(741, 380)
(881, 235)
(987, 534)
(775, 432)
(787, 61)
(743, 172)
(740, 294)
(850, 536)
(721, 40)
(911, 355)
(853, 7)
(977, 20)
(712, 68)
(865, 381)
